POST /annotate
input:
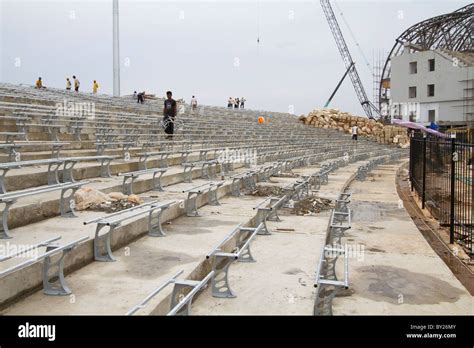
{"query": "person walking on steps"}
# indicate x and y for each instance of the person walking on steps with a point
(230, 103)
(354, 132)
(194, 103)
(76, 84)
(68, 84)
(169, 114)
(237, 103)
(95, 86)
(242, 102)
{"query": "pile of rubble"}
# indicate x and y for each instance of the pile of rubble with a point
(287, 175)
(343, 121)
(91, 199)
(312, 206)
(266, 191)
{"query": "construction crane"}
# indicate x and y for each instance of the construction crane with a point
(370, 109)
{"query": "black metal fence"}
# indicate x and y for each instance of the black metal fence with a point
(442, 174)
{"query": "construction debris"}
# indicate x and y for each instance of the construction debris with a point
(287, 175)
(92, 199)
(312, 206)
(344, 121)
(266, 191)
(113, 206)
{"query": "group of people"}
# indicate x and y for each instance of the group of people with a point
(236, 103)
(95, 85)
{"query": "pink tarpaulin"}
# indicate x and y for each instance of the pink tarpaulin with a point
(414, 125)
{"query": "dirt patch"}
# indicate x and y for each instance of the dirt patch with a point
(376, 228)
(376, 250)
(312, 206)
(363, 211)
(391, 284)
(293, 271)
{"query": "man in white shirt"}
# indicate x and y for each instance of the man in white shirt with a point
(194, 103)
(355, 130)
(242, 102)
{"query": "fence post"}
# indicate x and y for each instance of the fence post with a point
(410, 174)
(423, 197)
(453, 180)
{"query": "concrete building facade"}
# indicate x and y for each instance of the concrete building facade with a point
(433, 85)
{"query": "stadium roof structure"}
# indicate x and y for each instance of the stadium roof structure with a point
(451, 32)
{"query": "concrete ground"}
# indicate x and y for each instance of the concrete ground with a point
(281, 281)
(398, 273)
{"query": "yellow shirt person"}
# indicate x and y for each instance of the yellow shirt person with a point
(95, 86)
(39, 83)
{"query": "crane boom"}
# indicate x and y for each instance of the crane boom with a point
(369, 108)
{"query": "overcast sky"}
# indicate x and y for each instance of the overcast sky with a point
(206, 48)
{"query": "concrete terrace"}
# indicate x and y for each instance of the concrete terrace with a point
(217, 161)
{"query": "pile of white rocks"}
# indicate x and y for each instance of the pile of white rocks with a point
(343, 121)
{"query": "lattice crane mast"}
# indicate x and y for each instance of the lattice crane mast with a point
(370, 109)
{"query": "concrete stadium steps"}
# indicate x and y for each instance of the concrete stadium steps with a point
(46, 205)
(26, 177)
(120, 285)
(142, 264)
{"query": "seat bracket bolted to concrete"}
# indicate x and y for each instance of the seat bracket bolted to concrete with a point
(4, 219)
(250, 181)
(235, 186)
(102, 241)
(239, 241)
(276, 203)
(190, 204)
(58, 287)
(326, 279)
(188, 172)
(154, 220)
(67, 203)
(54, 283)
(102, 244)
(180, 303)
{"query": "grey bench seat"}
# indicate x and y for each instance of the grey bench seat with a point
(10, 136)
(53, 168)
(130, 177)
(66, 205)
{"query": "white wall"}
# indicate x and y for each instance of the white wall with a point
(448, 79)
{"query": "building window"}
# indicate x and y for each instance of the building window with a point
(411, 92)
(413, 68)
(431, 90)
(431, 115)
(431, 65)
(412, 116)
